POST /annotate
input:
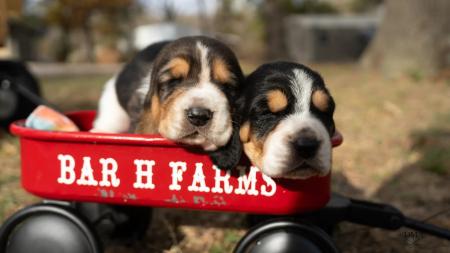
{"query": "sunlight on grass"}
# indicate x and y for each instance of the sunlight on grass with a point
(231, 238)
(74, 93)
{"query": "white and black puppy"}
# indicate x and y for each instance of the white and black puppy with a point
(288, 121)
(186, 90)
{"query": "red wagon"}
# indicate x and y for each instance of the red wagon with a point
(130, 169)
(144, 170)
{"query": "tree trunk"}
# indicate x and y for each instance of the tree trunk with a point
(414, 38)
(88, 39)
(3, 19)
(273, 16)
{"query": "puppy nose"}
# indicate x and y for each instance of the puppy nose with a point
(198, 116)
(306, 147)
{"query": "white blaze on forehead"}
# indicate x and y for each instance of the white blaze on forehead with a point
(301, 89)
(204, 75)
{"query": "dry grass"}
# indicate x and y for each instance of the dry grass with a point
(396, 150)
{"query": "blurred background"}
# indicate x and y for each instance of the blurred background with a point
(386, 62)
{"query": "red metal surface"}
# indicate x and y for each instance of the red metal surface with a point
(77, 166)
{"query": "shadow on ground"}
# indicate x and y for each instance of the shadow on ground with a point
(421, 190)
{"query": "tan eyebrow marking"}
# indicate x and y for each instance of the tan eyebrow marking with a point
(276, 100)
(221, 71)
(178, 67)
(321, 100)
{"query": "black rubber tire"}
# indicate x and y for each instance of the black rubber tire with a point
(47, 228)
(285, 236)
(14, 105)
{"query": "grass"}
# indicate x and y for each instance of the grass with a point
(436, 160)
(74, 93)
(434, 147)
(396, 150)
(12, 197)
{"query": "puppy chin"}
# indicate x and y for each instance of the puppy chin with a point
(198, 138)
(207, 143)
(200, 141)
(294, 172)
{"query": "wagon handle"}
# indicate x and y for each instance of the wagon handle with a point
(35, 99)
(378, 215)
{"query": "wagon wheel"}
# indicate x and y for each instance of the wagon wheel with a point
(19, 92)
(46, 228)
(285, 236)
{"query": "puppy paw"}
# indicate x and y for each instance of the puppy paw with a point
(228, 156)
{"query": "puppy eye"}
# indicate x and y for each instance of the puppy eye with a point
(168, 86)
(173, 81)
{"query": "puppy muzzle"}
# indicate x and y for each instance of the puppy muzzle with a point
(297, 149)
(201, 117)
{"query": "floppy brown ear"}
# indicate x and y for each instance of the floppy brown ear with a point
(148, 121)
(244, 132)
(155, 108)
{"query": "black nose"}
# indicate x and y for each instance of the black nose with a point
(306, 147)
(198, 116)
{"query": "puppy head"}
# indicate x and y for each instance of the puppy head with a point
(194, 84)
(289, 121)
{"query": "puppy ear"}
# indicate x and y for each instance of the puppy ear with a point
(148, 120)
(228, 156)
(244, 132)
(155, 108)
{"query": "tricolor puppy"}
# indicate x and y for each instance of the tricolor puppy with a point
(186, 90)
(288, 121)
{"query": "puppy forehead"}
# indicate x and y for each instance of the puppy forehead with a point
(301, 84)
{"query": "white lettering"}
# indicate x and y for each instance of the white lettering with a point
(218, 179)
(109, 170)
(270, 183)
(247, 184)
(141, 174)
(67, 168)
(177, 174)
(87, 173)
(199, 178)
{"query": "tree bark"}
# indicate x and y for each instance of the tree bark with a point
(273, 16)
(414, 37)
(88, 39)
(3, 19)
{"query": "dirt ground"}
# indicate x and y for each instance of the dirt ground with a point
(396, 149)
